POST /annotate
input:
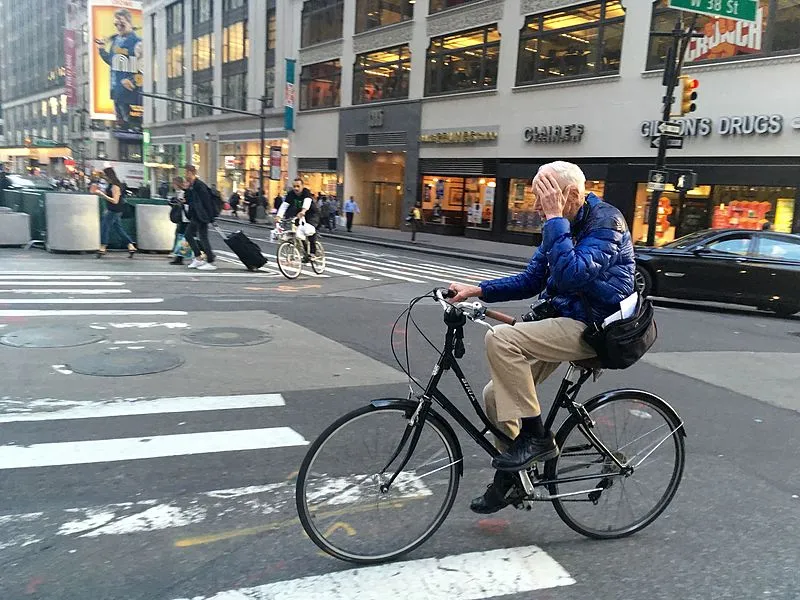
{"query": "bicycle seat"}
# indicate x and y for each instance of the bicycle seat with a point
(589, 364)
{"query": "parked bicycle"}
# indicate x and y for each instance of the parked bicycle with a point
(379, 481)
(293, 250)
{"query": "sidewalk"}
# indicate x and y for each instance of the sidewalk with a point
(513, 255)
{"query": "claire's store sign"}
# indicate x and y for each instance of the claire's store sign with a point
(554, 134)
(744, 125)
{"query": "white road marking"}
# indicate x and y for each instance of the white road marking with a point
(86, 292)
(471, 576)
(346, 264)
(217, 506)
(185, 272)
(468, 271)
(17, 281)
(43, 275)
(142, 325)
(91, 313)
(160, 446)
(438, 273)
(354, 276)
(385, 269)
(62, 369)
(52, 409)
(81, 301)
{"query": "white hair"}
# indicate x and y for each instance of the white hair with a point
(567, 173)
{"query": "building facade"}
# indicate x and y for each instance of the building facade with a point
(456, 103)
(34, 102)
(227, 53)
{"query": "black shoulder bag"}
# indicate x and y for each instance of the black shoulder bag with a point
(623, 342)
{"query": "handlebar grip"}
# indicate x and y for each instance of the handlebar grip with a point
(448, 293)
(502, 317)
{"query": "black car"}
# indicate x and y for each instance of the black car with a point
(755, 268)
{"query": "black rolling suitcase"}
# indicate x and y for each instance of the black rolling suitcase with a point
(245, 248)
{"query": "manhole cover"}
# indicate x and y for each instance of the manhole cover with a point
(51, 337)
(227, 336)
(124, 363)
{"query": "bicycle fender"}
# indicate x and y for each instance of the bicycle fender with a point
(643, 395)
(442, 423)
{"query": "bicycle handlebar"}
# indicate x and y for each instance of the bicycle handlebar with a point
(475, 311)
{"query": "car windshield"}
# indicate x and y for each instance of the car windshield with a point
(687, 240)
(30, 181)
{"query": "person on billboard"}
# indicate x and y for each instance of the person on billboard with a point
(124, 57)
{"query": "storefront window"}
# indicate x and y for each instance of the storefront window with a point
(381, 75)
(463, 62)
(576, 42)
(322, 21)
(440, 5)
(776, 30)
(235, 43)
(319, 182)
(465, 201)
(377, 13)
(522, 214)
(238, 167)
(678, 214)
(203, 52)
(319, 85)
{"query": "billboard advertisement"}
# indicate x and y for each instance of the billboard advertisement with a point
(116, 62)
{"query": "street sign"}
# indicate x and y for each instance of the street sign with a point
(673, 143)
(741, 10)
(670, 128)
(657, 180)
(684, 180)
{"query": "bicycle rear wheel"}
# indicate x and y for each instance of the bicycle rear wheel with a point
(318, 262)
(339, 498)
(289, 260)
(640, 430)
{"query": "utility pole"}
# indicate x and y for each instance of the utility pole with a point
(672, 71)
(263, 112)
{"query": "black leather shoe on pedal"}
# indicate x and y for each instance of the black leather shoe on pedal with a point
(503, 491)
(524, 451)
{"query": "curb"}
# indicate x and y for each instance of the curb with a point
(421, 248)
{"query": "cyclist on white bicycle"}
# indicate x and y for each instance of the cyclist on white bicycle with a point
(585, 261)
(299, 205)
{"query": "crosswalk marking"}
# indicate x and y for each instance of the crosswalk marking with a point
(345, 264)
(125, 449)
(81, 291)
(395, 269)
(50, 409)
(44, 275)
(90, 313)
(470, 576)
(81, 301)
(51, 283)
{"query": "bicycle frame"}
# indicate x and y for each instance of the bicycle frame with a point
(565, 398)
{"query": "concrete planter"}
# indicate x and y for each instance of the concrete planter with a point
(73, 222)
(154, 231)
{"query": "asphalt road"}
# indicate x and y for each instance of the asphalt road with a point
(179, 484)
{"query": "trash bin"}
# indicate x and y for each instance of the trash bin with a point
(73, 222)
(155, 232)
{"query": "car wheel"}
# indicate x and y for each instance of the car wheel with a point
(785, 310)
(643, 281)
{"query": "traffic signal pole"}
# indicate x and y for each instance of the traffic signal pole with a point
(672, 71)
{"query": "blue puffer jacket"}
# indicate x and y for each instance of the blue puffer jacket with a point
(595, 257)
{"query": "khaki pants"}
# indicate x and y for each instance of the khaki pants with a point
(522, 356)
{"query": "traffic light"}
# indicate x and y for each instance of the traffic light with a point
(688, 94)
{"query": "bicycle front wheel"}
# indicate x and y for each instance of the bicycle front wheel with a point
(318, 262)
(289, 260)
(340, 500)
(642, 432)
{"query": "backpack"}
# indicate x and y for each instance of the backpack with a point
(216, 201)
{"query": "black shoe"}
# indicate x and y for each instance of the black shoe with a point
(503, 491)
(178, 260)
(524, 451)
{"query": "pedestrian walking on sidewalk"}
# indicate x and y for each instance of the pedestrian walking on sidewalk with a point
(201, 213)
(234, 201)
(415, 220)
(114, 195)
(350, 210)
(181, 219)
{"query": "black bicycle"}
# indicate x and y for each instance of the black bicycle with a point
(380, 480)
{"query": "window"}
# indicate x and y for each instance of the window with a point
(228, 5)
(63, 103)
(377, 13)
(130, 151)
(175, 18)
(439, 5)
(175, 109)
(751, 207)
(319, 85)
(576, 42)
(458, 200)
(235, 44)
(202, 11)
(234, 91)
(270, 85)
(85, 63)
(736, 244)
(381, 75)
(175, 61)
(203, 52)
(101, 149)
(271, 28)
(463, 62)
(322, 21)
(776, 30)
(202, 92)
(778, 248)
